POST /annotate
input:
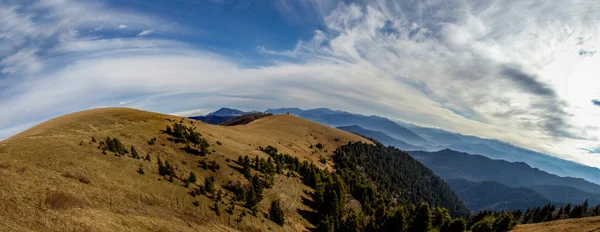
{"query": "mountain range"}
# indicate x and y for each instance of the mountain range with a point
(521, 177)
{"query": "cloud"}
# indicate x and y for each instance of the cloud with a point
(596, 102)
(188, 113)
(473, 68)
(122, 26)
(145, 32)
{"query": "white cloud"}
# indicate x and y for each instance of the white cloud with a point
(506, 71)
(188, 113)
(145, 32)
(122, 26)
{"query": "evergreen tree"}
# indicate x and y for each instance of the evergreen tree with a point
(439, 217)
(276, 213)
(209, 185)
(134, 153)
(567, 209)
(421, 218)
(192, 178)
(456, 225)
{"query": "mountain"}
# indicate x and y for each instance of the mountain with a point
(433, 139)
(213, 119)
(396, 171)
(381, 137)
(227, 112)
(501, 150)
(341, 118)
(565, 194)
(220, 116)
(457, 165)
(118, 169)
(63, 175)
(494, 196)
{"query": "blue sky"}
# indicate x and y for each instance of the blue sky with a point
(525, 72)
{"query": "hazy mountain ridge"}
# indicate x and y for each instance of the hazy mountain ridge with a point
(456, 165)
(381, 137)
(433, 139)
(494, 196)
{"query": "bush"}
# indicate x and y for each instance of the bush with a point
(141, 171)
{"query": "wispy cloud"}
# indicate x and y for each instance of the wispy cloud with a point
(473, 68)
(188, 113)
(122, 26)
(145, 32)
(596, 102)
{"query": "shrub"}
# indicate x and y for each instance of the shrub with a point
(196, 203)
(141, 171)
(319, 146)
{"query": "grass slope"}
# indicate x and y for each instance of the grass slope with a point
(54, 179)
(579, 224)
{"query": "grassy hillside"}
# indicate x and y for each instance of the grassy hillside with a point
(579, 224)
(55, 178)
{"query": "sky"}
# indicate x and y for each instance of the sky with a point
(525, 72)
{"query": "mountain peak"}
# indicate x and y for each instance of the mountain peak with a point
(227, 112)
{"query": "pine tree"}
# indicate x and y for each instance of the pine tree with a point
(276, 213)
(567, 209)
(134, 153)
(192, 178)
(161, 168)
(209, 185)
(421, 220)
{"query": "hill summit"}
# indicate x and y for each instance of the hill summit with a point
(101, 170)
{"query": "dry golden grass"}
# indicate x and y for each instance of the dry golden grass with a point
(54, 179)
(589, 224)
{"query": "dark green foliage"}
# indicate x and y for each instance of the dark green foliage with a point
(255, 193)
(192, 177)
(113, 145)
(213, 166)
(420, 218)
(209, 185)
(152, 141)
(354, 222)
(134, 153)
(484, 225)
(183, 134)
(456, 225)
(276, 213)
(440, 217)
(396, 174)
(216, 209)
(319, 146)
(165, 169)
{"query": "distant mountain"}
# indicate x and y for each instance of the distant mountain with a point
(565, 194)
(220, 116)
(227, 112)
(341, 118)
(212, 119)
(433, 139)
(489, 195)
(501, 150)
(450, 164)
(381, 137)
